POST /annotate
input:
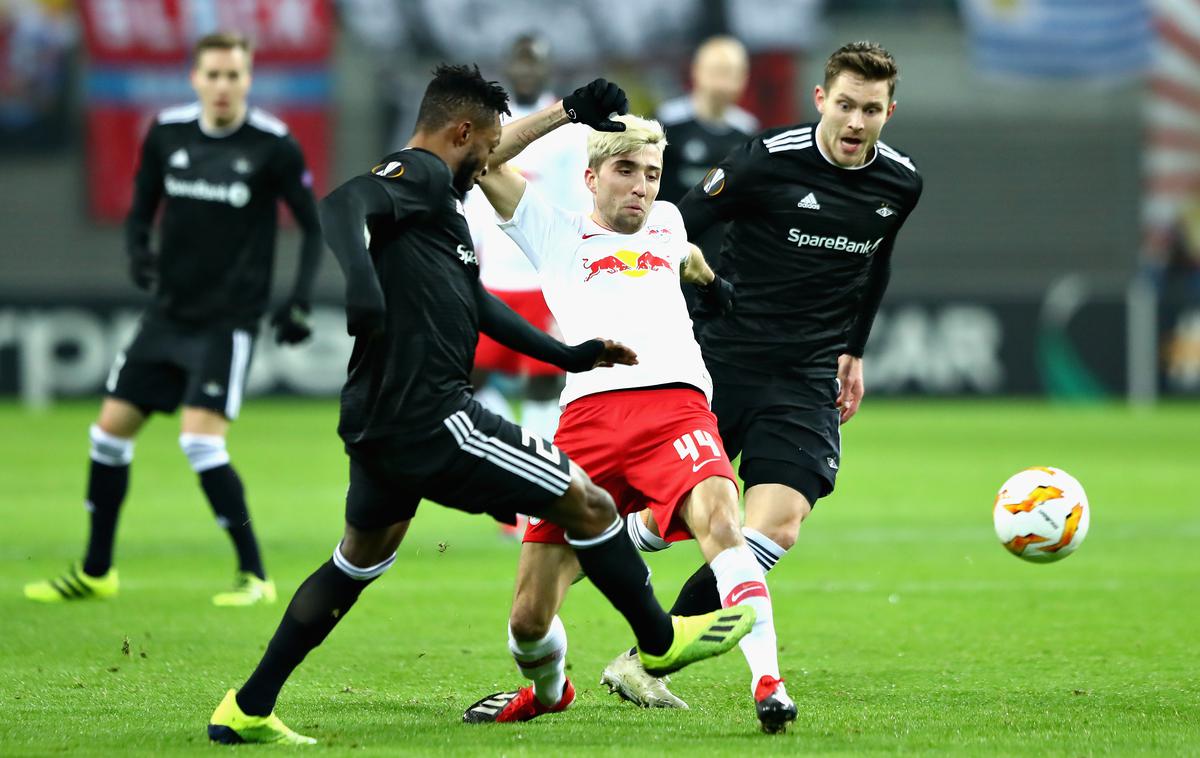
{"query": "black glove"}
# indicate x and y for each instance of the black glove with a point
(290, 321)
(716, 299)
(143, 268)
(593, 103)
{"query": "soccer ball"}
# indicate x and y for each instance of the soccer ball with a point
(1041, 514)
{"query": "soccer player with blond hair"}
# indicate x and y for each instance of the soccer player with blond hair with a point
(645, 432)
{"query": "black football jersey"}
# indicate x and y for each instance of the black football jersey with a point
(407, 380)
(219, 193)
(808, 248)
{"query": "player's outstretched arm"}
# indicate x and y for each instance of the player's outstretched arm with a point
(593, 104)
(343, 216)
(504, 325)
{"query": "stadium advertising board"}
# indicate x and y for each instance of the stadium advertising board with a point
(918, 346)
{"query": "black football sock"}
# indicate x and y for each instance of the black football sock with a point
(228, 500)
(698, 595)
(612, 563)
(106, 490)
(321, 602)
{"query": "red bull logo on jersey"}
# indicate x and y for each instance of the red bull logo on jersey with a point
(626, 262)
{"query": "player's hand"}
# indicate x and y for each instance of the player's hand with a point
(143, 268)
(600, 353)
(850, 374)
(716, 299)
(594, 103)
(290, 322)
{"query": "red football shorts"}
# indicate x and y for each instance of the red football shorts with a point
(647, 447)
(490, 355)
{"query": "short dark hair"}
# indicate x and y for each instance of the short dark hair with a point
(221, 41)
(868, 60)
(459, 91)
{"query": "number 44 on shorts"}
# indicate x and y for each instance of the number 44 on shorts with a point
(688, 446)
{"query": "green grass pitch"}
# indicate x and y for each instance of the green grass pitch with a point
(905, 628)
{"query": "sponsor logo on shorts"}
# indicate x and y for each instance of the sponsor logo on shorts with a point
(212, 389)
(833, 464)
(534, 521)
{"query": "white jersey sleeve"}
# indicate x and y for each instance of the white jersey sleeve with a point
(539, 229)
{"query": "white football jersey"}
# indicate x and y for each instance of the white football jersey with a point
(624, 287)
(553, 163)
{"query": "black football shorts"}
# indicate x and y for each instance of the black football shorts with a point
(476, 462)
(168, 364)
(786, 431)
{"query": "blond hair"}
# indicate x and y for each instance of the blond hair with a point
(639, 132)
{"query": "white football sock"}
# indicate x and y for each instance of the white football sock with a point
(766, 550)
(740, 581)
(492, 399)
(541, 417)
(543, 662)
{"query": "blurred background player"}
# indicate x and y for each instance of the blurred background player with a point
(702, 126)
(218, 168)
(555, 164)
(815, 210)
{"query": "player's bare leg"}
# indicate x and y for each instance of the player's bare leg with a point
(711, 514)
(111, 438)
(202, 439)
(776, 511)
(536, 638)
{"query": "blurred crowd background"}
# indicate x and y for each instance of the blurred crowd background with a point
(1056, 249)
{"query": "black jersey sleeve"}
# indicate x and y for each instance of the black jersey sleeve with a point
(295, 187)
(395, 190)
(724, 191)
(147, 192)
(878, 277)
(507, 327)
(343, 215)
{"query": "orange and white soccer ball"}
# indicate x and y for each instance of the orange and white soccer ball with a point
(1041, 514)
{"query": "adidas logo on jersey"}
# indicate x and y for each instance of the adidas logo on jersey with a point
(809, 202)
(179, 159)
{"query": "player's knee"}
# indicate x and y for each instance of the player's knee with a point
(783, 532)
(587, 509)
(367, 553)
(362, 565)
(109, 449)
(204, 451)
(528, 621)
(712, 512)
